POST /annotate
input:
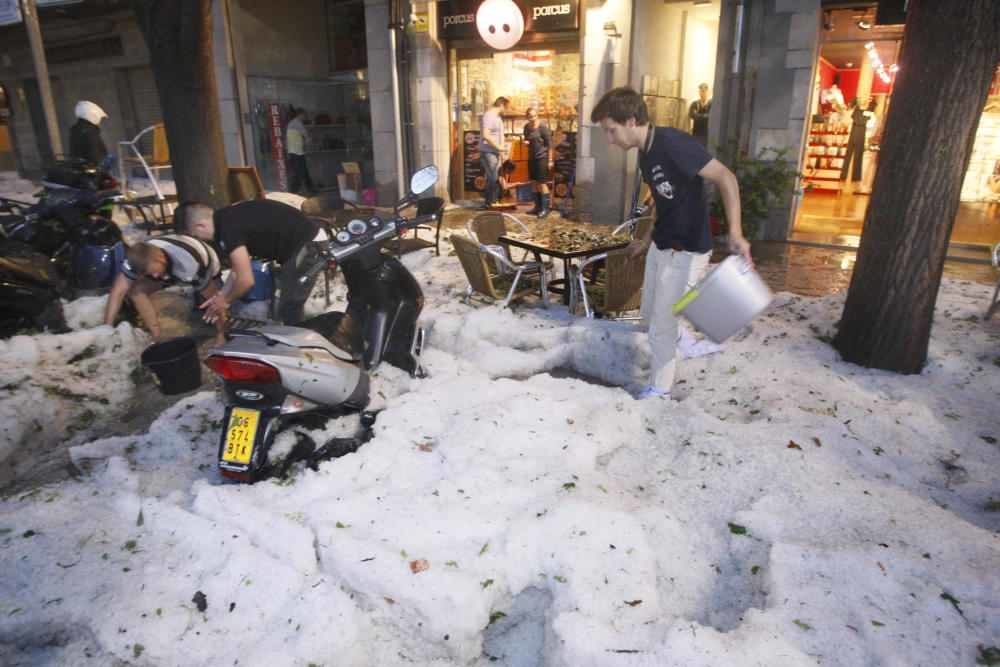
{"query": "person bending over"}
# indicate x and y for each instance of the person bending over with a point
(260, 229)
(171, 259)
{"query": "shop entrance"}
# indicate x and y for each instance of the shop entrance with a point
(851, 94)
(543, 76)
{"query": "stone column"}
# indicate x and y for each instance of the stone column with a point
(601, 189)
(380, 66)
(431, 121)
(864, 80)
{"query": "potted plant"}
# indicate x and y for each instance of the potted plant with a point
(765, 181)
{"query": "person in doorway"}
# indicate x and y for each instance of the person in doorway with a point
(171, 259)
(855, 144)
(675, 166)
(85, 141)
(539, 139)
(261, 229)
(491, 148)
(698, 113)
(296, 137)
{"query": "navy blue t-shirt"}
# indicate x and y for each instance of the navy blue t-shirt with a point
(670, 168)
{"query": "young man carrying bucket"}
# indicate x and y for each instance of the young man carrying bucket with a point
(171, 259)
(675, 166)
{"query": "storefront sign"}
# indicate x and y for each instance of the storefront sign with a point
(457, 18)
(474, 177)
(420, 23)
(277, 144)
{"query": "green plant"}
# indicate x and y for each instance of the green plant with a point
(765, 181)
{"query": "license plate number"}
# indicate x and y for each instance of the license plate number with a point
(240, 435)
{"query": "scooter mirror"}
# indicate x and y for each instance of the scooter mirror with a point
(424, 179)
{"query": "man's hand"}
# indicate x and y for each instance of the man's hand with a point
(215, 308)
(637, 247)
(740, 246)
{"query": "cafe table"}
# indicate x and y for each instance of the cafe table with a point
(567, 241)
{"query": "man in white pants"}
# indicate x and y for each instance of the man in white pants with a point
(675, 166)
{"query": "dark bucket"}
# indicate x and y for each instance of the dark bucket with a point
(174, 364)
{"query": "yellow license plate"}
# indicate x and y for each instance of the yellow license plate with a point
(240, 435)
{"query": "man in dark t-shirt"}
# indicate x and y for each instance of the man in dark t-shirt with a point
(675, 166)
(261, 229)
(539, 140)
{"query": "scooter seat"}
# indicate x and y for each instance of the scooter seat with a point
(301, 337)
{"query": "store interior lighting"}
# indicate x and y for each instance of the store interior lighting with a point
(877, 64)
(864, 25)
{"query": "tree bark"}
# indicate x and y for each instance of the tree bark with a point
(950, 51)
(179, 36)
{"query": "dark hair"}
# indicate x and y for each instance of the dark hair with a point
(872, 104)
(501, 102)
(186, 213)
(620, 104)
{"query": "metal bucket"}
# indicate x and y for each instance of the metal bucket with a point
(726, 300)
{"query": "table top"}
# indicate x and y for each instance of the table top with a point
(566, 240)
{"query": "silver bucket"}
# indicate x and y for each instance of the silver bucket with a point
(725, 300)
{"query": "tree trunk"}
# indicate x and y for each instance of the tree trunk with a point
(179, 36)
(950, 51)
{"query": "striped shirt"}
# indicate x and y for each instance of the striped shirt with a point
(189, 261)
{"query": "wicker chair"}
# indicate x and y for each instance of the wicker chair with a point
(617, 288)
(473, 257)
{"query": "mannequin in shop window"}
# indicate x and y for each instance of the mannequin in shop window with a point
(832, 100)
(698, 113)
(870, 159)
(855, 144)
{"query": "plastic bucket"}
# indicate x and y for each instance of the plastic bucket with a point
(726, 300)
(174, 364)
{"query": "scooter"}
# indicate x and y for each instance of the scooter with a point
(274, 376)
(29, 291)
(69, 229)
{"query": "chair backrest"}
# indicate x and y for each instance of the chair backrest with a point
(429, 205)
(474, 265)
(624, 275)
(161, 150)
(488, 227)
(244, 183)
(643, 225)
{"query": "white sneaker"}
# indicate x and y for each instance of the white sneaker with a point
(649, 391)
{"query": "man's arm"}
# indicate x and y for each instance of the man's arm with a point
(729, 189)
(239, 282)
(115, 298)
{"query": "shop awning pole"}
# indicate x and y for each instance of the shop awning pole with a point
(30, 13)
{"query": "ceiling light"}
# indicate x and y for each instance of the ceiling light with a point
(848, 64)
(864, 25)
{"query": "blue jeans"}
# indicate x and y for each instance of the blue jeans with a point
(491, 169)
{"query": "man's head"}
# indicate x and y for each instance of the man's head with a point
(622, 114)
(501, 103)
(196, 219)
(147, 260)
(703, 91)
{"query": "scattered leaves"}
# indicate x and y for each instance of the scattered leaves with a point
(561, 579)
(878, 624)
(633, 603)
(486, 583)
(451, 563)
(137, 650)
(954, 602)
(569, 486)
(496, 616)
(28, 533)
(794, 445)
(200, 601)
(988, 439)
(342, 525)
(988, 655)
(755, 569)
(131, 546)
(817, 441)
(419, 565)
(484, 549)
(878, 451)
(804, 626)
(737, 529)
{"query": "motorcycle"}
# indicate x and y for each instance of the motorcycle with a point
(274, 376)
(29, 291)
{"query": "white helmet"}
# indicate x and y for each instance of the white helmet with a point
(90, 112)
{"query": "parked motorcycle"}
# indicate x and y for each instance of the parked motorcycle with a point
(30, 288)
(274, 376)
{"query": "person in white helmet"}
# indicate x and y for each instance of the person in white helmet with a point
(85, 141)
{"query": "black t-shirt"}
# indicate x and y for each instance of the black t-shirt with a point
(268, 229)
(539, 139)
(670, 168)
